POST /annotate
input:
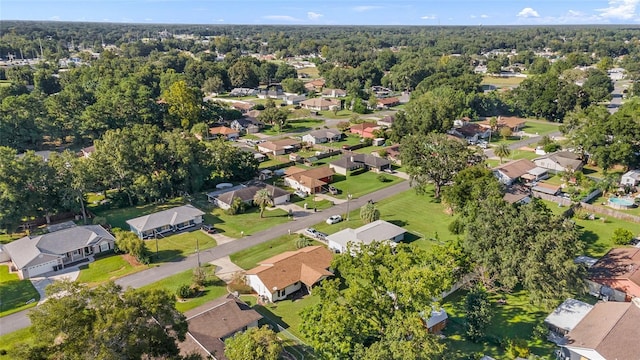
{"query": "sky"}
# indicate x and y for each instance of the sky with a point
(329, 12)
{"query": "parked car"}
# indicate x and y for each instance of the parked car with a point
(389, 170)
(334, 219)
(209, 229)
(311, 232)
(301, 194)
(333, 190)
(321, 235)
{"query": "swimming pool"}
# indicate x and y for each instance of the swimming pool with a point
(620, 203)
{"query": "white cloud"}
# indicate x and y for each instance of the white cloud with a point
(620, 9)
(148, 19)
(575, 13)
(364, 8)
(484, 16)
(528, 13)
(314, 15)
(286, 18)
(429, 17)
(220, 20)
(55, 18)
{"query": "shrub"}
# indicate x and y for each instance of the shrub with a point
(552, 147)
(259, 107)
(456, 227)
(302, 241)
(517, 348)
(621, 236)
(383, 178)
(185, 291)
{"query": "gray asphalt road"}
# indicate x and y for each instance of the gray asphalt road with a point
(20, 320)
(524, 142)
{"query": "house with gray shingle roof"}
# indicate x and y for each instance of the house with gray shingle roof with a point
(31, 256)
(322, 136)
(171, 220)
(352, 161)
(246, 194)
(378, 230)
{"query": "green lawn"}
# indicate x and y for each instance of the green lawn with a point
(214, 290)
(8, 341)
(341, 114)
(361, 184)
(424, 218)
(175, 247)
(501, 81)
(15, 293)
(118, 217)
(248, 222)
(597, 233)
(347, 140)
(7, 238)
(249, 258)
(107, 268)
(311, 71)
(540, 127)
(296, 126)
(287, 312)
(319, 203)
(272, 162)
(516, 319)
(522, 154)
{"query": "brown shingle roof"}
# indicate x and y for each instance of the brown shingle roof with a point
(307, 265)
(388, 101)
(315, 173)
(510, 121)
(221, 130)
(517, 168)
(610, 328)
(278, 144)
(619, 269)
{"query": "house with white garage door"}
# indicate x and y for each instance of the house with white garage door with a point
(378, 230)
(32, 256)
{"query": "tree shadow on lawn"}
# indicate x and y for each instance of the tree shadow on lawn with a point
(169, 255)
(270, 316)
(591, 241)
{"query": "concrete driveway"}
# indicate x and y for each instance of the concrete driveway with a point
(41, 282)
(225, 268)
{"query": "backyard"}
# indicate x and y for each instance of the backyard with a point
(215, 289)
(499, 81)
(362, 184)
(118, 217)
(296, 126)
(15, 294)
(249, 258)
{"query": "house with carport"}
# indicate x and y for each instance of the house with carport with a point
(309, 181)
(279, 147)
(378, 230)
(282, 275)
(166, 221)
(616, 275)
(353, 161)
(246, 195)
(35, 255)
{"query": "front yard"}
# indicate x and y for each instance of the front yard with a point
(215, 289)
(295, 126)
(362, 184)
(249, 258)
(106, 269)
(15, 294)
(176, 247)
(118, 217)
(248, 222)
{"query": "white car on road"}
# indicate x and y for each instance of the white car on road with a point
(334, 219)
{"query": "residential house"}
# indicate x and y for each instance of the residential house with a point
(381, 91)
(170, 220)
(437, 321)
(565, 318)
(545, 188)
(271, 93)
(630, 178)
(517, 169)
(608, 331)
(364, 129)
(34, 255)
(210, 324)
(378, 230)
(320, 104)
(223, 132)
(334, 93)
(514, 123)
(240, 92)
(310, 181)
(279, 147)
(560, 161)
(322, 136)
(352, 161)
(246, 194)
(314, 85)
(385, 103)
(294, 99)
(282, 275)
(87, 151)
(616, 276)
(472, 132)
(386, 121)
(247, 125)
(256, 154)
(243, 107)
(393, 153)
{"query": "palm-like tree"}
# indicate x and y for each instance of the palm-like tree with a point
(262, 198)
(502, 151)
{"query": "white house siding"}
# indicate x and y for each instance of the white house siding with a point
(336, 247)
(38, 269)
(584, 353)
(287, 291)
(257, 285)
(281, 200)
(338, 169)
(549, 164)
(222, 205)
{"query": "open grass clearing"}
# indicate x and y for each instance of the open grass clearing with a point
(118, 217)
(515, 319)
(249, 258)
(295, 126)
(522, 154)
(215, 289)
(362, 184)
(286, 313)
(106, 269)
(176, 247)
(347, 140)
(500, 81)
(312, 72)
(15, 294)
(16, 338)
(246, 223)
(540, 127)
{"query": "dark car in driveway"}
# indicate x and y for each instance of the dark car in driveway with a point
(209, 229)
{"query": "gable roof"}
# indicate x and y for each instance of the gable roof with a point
(362, 126)
(307, 265)
(334, 92)
(243, 105)
(508, 121)
(471, 129)
(315, 173)
(564, 159)
(320, 102)
(353, 160)
(171, 216)
(619, 269)
(516, 168)
(326, 133)
(378, 230)
(222, 130)
(275, 145)
(388, 101)
(48, 246)
(610, 328)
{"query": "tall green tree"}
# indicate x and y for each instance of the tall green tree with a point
(255, 343)
(185, 103)
(262, 199)
(369, 213)
(434, 158)
(477, 313)
(502, 151)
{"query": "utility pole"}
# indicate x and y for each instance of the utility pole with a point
(349, 196)
(198, 251)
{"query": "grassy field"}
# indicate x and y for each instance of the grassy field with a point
(347, 140)
(214, 290)
(287, 312)
(361, 184)
(522, 154)
(118, 217)
(311, 71)
(176, 247)
(501, 81)
(15, 293)
(248, 222)
(515, 319)
(421, 215)
(540, 127)
(249, 258)
(296, 126)
(107, 268)
(8, 341)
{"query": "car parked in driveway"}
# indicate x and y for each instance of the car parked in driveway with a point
(311, 232)
(301, 194)
(334, 219)
(209, 229)
(333, 190)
